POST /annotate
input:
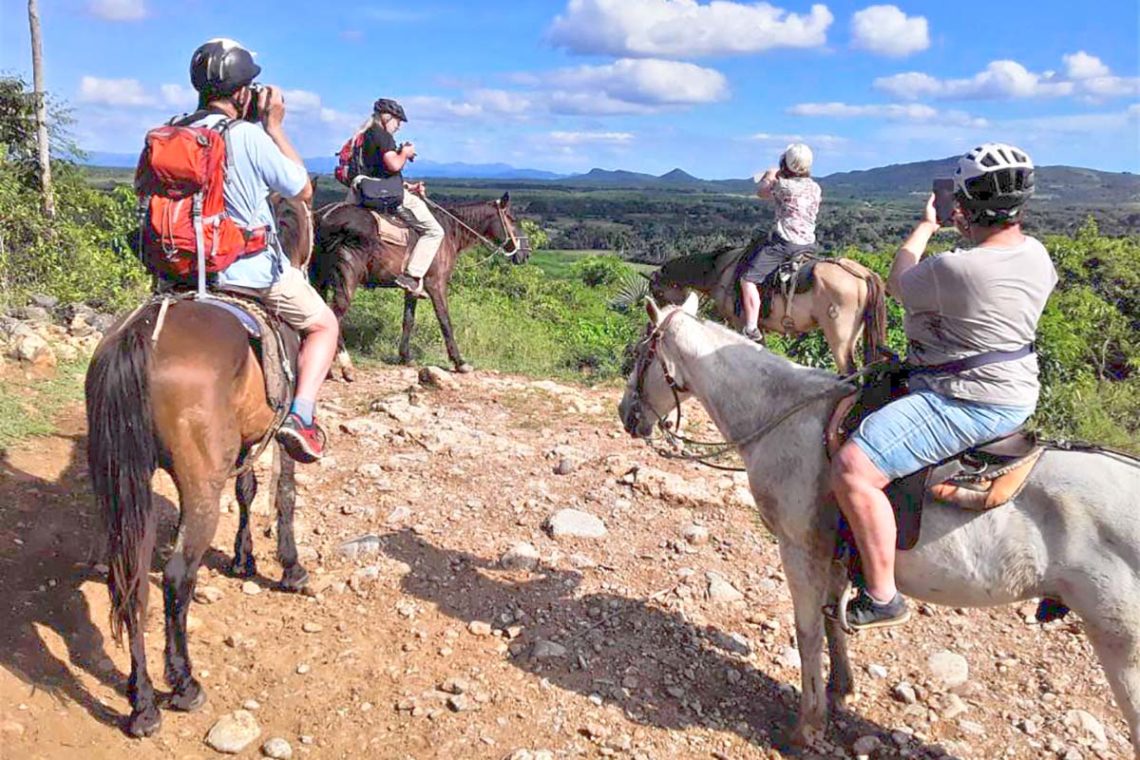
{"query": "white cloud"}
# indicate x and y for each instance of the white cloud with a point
(114, 92)
(914, 112)
(815, 141)
(301, 101)
(625, 87)
(886, 30)
(179, 96)
(685, 28)
(118, 10)
(645, 81)
(1081, 65)
(1085, 75)
(585, 138)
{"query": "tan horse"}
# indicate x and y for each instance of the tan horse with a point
(845, 299)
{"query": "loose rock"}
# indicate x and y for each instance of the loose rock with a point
(697, 535)
(234, 732)
(904, 692)
(277, 748)
(250, 588)
(1085, 722)
(521, 556)
(720, 590)
(547, 650)
(574, 523)
(434, 377)
(948, 669)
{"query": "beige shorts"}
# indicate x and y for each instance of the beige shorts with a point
(294, 299)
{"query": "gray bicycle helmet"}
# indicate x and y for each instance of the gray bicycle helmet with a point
(222, 67)
(391, 107)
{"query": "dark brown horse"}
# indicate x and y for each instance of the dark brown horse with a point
(349, 252)
(192, 402)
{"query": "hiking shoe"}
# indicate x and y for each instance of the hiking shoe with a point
(305, 443)
(753, 334)
(864, 613)
(414, 285)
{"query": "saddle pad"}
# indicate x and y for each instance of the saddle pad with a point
(248, 321)
(389, 231)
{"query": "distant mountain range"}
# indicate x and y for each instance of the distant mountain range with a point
(1064, 184)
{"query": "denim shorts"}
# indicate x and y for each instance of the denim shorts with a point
(925, 428)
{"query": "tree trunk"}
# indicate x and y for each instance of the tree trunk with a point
(41, 110)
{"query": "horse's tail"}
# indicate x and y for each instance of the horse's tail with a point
(874, 319)
(122, 456)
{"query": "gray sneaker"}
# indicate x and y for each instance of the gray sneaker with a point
(864, 613)
(753, 334)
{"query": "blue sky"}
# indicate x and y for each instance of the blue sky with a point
(715, 88)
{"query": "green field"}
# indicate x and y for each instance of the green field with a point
(557, 263)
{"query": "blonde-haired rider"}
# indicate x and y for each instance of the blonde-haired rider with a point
(384, 161)
(797, 198)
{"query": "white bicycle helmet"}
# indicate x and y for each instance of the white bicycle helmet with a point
(798, 158)
(993, 181)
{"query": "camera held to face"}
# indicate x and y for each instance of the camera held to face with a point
(253, 112)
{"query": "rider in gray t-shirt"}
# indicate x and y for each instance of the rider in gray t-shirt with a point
(981, 302)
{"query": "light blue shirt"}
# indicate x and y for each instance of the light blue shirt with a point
(256, 168)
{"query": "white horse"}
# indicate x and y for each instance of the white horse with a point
(1073, 533)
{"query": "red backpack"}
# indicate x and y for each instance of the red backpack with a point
(179, 181)
(349, 159)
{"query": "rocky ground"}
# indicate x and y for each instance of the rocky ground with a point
(459, 610)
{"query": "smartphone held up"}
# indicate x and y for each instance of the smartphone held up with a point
(943, 200)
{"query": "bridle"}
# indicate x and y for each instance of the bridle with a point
(716, 448)
(512, 237)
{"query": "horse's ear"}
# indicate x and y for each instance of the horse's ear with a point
(692, 303)
(505, 200)
(652, 310)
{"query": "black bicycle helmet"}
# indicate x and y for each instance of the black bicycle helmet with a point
(222, 67)
(388, 106)
(993, 181)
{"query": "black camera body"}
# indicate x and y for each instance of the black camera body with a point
(411, 159)
(253, 113)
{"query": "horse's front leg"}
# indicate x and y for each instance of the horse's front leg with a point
(439, 301)
(808, 581)
(293, 574)
(409, 324)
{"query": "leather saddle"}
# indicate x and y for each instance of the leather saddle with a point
(389, 226)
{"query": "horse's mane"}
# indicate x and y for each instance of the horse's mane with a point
(695, 267)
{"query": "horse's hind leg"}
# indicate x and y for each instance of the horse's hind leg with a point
(1118, 648)
(408, 326)
(343, 287)
(199, 498)
(145, 717)
(244, 565)
(293, 574)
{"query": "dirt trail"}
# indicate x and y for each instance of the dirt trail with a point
(611, 646)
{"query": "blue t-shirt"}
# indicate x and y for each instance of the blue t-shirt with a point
(256, 168)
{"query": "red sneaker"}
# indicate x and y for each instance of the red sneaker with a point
(305, 443)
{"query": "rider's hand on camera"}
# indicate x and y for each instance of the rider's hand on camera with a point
(929, 214)
(408, 150)
(272, 107)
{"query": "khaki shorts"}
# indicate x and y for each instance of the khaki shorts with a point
(294, 299)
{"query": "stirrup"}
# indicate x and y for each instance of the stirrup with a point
(838, 611)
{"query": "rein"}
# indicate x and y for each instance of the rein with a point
(719, 448)
(497, 247)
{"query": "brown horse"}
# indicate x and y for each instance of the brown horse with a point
(349, 252)
(193, 402)
(845, 299)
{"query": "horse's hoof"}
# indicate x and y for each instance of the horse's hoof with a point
(464, 368)
(294, 580)
(348, 375)
(144, 722)
(188, 699)
(805, 736)
(243, 568)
